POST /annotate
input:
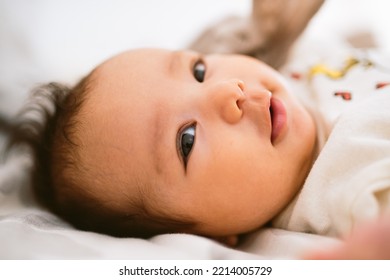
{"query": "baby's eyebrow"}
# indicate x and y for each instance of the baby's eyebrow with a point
(158, 136)
(176, 61)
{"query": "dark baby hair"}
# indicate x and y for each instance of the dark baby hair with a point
(48, 125)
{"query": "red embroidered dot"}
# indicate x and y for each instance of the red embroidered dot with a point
(346, 95)
(381, 85)
(296, 75)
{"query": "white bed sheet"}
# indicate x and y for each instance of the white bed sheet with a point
(46, 40)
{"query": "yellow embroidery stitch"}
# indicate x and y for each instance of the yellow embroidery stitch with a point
(335, 74)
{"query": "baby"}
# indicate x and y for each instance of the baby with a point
(154, 141)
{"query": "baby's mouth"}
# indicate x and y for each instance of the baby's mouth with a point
(278, 118)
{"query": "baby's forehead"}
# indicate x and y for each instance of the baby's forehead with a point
(124, 76)
(136, 56)
(129, 63)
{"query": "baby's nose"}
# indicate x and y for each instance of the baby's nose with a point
(226, 98)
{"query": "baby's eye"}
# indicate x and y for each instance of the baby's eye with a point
(186, 141)
(199, 71)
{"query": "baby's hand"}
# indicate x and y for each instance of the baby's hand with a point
(231, 35)
(370, 241)
(235, 35)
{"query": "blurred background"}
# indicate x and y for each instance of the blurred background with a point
(62, 40)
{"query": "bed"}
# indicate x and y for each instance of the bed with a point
(43, 40)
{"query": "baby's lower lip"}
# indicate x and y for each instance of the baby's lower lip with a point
(278, 117)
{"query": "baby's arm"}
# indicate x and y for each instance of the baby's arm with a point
(267, 34)
(370, 241)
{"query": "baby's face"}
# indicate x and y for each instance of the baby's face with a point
(215, 138)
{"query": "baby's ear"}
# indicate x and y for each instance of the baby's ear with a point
(229, 240)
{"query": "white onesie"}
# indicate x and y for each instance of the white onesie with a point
(350, 180)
